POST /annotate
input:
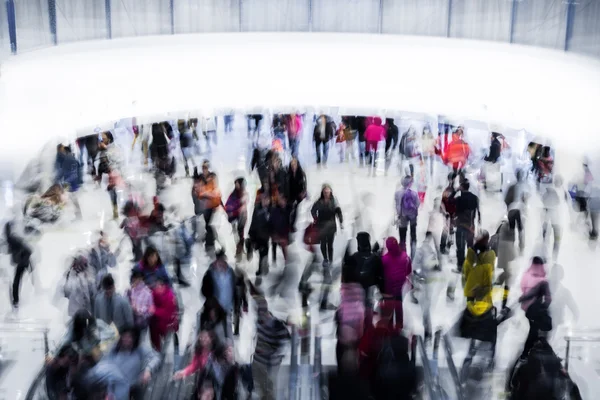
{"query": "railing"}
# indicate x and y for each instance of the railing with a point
(28, 326)
(452, 367)
(585, 335)
(428, 377)
(560, 25)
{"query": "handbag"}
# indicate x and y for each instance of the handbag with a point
(311, 234)
(538, 312)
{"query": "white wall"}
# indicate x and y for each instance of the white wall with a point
(78, 20)
(193, 16)
(57, 91)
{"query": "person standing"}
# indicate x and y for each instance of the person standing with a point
(219, 282)
(294, 130)
(374, 134)
(20, 254)
(80, 286)
(165, 318)
(516, 200)
(186, 142)
(323, 133)
(111, 307)
(407, 210)
(296, 188)
(236, 208)
(324, 212)
(467, 208)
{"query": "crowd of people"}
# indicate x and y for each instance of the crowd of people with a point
(114, 340)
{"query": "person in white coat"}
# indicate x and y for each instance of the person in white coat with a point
(79, 287)
(426, 262)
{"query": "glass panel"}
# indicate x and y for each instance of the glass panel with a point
(193, 16)
(586, 29)
(33, 25)
(80, 20)
(345, 16)
(415, 17)
(275, 15)
(482, 20)
(137, 18)
(540, 23)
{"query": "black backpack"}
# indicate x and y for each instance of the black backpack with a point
(393, 375)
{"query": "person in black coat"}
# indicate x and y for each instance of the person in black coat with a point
(495, 149)
(278, 179)
(324, 131)
(20, 254)
(260, 233)
(324, 212)
(281, 223)
(296, 188)
(365, 264)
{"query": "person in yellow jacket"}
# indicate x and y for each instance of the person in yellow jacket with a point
(478, 276)
(479, 320)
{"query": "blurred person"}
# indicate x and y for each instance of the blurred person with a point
(165, 318)
(236, 208)
(199, 204)
(220, 282)
(186, 142)
(134, 228)
(535, 301)
(467, 208)
(228, 122)
(260, 233)
(409, 149)
(152, 267)
(428, 143)
(426, 261)
(71, 177)
(397, 267)
(350, 315)
(407, 211)
(478, 322)
(83, 333)
(374, 134)
(563, 300)
(101, 258)
(20, 256)
(96, 380)
(211, 193)
(457, 152)
(141, 300)
(552, 200)
(340, 139)
(281, 224)
(364, 267)
(136, 362)
(296, 188)
(346, 383)
(254, 122)
(236, 378)
(324, 212)
(516, 203)
(111, 307)
(203, 348)
(391, 136)
(184, 242)
(594, 207)
(360, 125)
(506, 253)
(213, 318)
(80, 286)
(115, 182)
(294, 129)
(324, 131)
(384, 359)
(448, 209)
(278, 127)
(271, 336)
(57, 373)
(278, 178)
(350, 134)
(209, 130)
(545, 167)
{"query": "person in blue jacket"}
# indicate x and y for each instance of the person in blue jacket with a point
(69, 174)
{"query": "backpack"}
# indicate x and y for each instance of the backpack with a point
(389, 367)
(408, 205)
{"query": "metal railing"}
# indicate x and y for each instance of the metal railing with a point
(428, 377)
(452, 367)
(28, 326)
(584, 335)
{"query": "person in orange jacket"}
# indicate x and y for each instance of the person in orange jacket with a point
(457, 152)
(211, 195)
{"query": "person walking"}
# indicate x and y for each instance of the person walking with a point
(111, 307)
(407, 210)
(20, 253)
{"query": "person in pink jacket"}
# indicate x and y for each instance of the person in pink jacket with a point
(293, 126)
(202, 352)
(534, 301)
(165, 318)
(397, 267)
(374, 134)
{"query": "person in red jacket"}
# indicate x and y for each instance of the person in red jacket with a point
(374, 134)
(165, 318)
(457, 152)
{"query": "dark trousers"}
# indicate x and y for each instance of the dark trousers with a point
(209, 239)
(325, 146)
(464, 239)
(327, 247)
(16, 286)
(515, 221)
(112, 192)
(402, 231)
(262, 246)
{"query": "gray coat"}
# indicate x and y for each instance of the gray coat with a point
(100, 260)
(132, 364)
(122, 315)
(79, 289)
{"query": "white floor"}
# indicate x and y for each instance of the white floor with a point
(230, 160)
